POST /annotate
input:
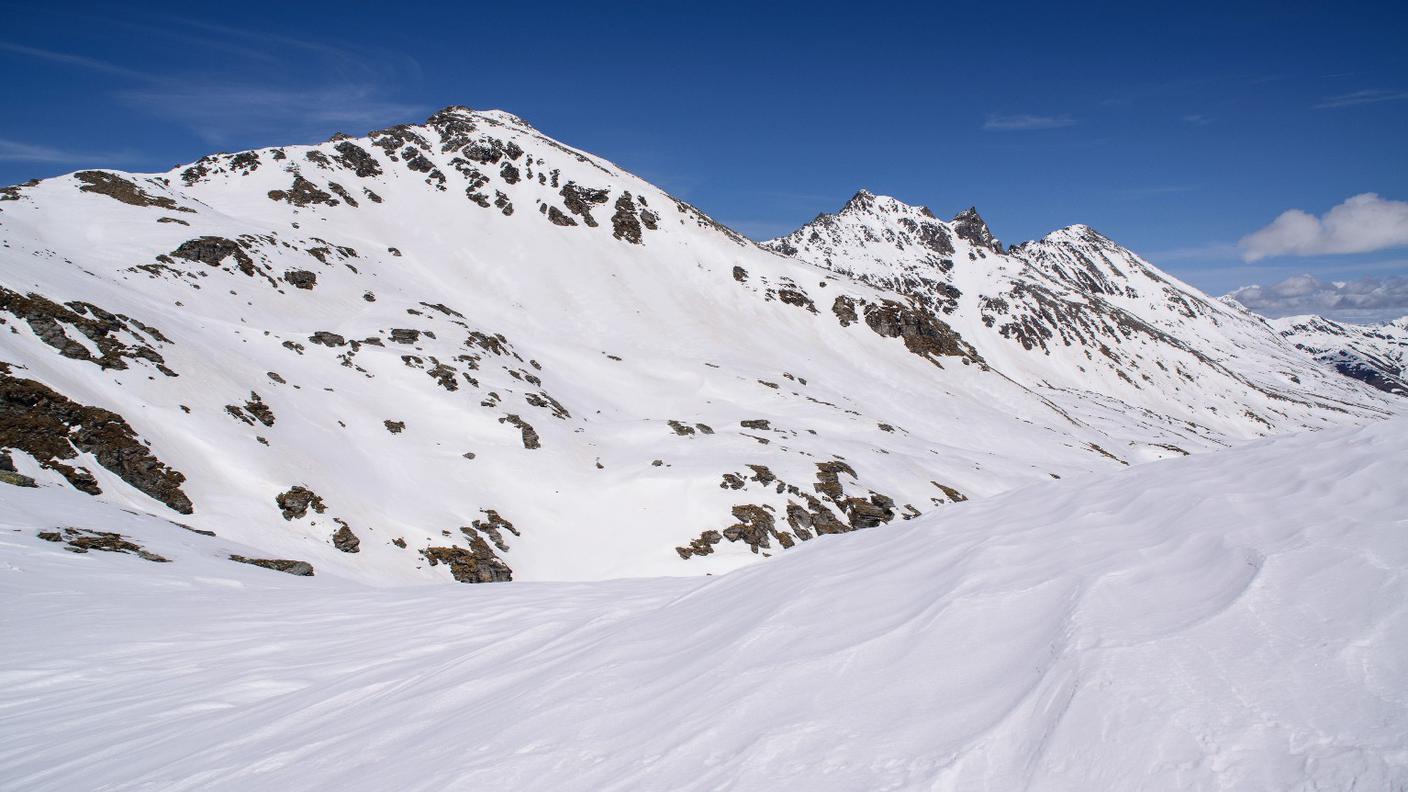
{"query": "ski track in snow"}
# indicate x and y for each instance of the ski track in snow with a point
(1235, 620)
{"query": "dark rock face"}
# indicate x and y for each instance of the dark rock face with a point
(530, 435)
(394, 427)
(753, 526)
(1376, 374)
(556, 217)
(213, 250)
(16, 479)
(303, 193)
(624, 223)
(702, 546)
(755, 423)
(404, 336)
(863, 513)
(295, 502)
(845, 309)
(681, 429)
(81, 540)
(493, 525)
(327, 339)
(969, 225)
(953, 494)
(301, 279)
(796, 297)
(478, 564)
(120, 189)
(757, 527)
(357, 159)
(346, 541)
(253, 410)
(930, 235)
(285, 565)
(48, 319)
(51, 427)
(922, 333)
(579, 200)
(828, 478)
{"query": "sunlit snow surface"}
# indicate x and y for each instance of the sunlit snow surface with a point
(1234, 620)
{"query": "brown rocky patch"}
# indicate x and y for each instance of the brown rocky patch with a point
(285, 565)
(303, 193)
(344, 539)
(579, 200)
(624, 223)
(295, 502)
(48, 319)
(120, 189)
(81, 540)
(51, 427)
(477, 564)
(530, 435)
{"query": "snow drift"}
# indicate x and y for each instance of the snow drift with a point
(1236, 621)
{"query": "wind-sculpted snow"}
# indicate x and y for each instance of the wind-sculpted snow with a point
(433, 322)
(1228, 621)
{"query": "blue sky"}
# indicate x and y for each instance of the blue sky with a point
(1176, 129)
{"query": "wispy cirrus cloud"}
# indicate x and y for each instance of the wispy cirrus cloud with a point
(1368, 96)
(1361, 224)
(17, 151)
(1139, 193)
(250, 94)
(69, 59)
(220, 112)
(1023, 122)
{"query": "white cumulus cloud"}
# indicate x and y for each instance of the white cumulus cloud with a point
(1361, 224)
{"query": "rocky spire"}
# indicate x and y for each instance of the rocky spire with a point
(862, 201)
(970, 225)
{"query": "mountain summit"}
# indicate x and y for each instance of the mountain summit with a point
(464, 350)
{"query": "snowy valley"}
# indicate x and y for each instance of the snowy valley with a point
(1041, 515)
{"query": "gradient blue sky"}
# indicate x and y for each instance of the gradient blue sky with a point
(1175, 128)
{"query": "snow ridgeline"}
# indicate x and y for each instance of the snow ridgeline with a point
(1229, 621)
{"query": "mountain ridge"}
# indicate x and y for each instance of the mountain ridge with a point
(438, 339)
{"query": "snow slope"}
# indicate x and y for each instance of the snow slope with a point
(1374, 354)
(466, 343)
(1227, 621)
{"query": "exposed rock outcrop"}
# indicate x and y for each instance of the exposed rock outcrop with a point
(50, 427)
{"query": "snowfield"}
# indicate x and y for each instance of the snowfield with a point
(1234, 620)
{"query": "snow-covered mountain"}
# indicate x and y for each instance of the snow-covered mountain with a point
(466, 350)
(1374, 354)
(1229, 621)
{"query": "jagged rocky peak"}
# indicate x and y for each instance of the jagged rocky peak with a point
(971, 226)
(868, 203)
(869, 231)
